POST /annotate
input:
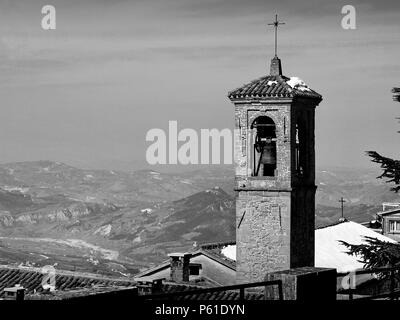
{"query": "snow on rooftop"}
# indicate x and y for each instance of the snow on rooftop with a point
(269, 83)
(229, 252)
(330, 253)
(297, 83)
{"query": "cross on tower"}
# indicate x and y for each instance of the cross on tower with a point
(276, 24)
(342, 201)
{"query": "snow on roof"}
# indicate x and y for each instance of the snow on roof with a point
(297, 83)
(330, 253)
(229, 252)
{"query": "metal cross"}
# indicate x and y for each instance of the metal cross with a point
(276, 24)
(342, 201)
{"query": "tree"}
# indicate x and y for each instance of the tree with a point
(391, 167)
(375, 253)
(396, 94)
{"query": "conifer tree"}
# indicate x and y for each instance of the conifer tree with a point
(390, 167)
(375, 253)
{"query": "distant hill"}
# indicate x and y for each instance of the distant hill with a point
(206, 215)
(145, 214)
(14, 201)
(357, 186)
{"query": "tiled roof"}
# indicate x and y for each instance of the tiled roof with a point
(270, 87)
(164, 265)
(213, 251)
(32, 280)
(70, 286)
(95, 292)
(170, 288)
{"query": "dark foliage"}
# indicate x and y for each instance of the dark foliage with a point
(375, 253)
(396, 94)
(391, 167)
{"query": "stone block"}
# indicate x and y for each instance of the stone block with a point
(303, 284)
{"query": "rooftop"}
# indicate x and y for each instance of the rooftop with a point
(329, 252)
(69, 286)
(274, 86)
(31, 280)
(170, 288)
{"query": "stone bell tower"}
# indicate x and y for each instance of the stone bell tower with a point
(274, 174)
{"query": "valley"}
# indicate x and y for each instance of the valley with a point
(118, 223)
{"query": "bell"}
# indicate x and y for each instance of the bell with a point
(269, 154)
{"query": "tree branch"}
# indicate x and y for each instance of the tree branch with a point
(396, 94)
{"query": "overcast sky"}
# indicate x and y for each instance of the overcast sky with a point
(87, 92)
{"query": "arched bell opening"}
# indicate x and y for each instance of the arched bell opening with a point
(264, 147)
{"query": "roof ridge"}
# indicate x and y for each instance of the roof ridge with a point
(217, 244)
(332, 224)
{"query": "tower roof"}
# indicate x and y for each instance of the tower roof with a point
(274, 86)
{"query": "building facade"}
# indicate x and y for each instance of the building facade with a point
(390, 220)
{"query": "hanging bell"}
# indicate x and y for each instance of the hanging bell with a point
(269, 154)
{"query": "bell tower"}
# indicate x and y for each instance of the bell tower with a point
(274, 174)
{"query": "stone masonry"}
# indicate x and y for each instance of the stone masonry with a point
(179, 263)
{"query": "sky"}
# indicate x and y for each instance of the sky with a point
(88, 92)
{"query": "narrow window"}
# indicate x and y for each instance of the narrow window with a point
(394, 226)
(300, 149)
(391, 226)
(297, 151)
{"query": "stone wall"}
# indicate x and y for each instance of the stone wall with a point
(179, 267)
(274, 215)
(303, 284)
(263, 234)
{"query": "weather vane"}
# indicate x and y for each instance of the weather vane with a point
(276, 24)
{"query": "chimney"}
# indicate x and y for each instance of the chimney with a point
(15, 293)
(276, 67)
(157, 285)
(179, 263)
(146, 286)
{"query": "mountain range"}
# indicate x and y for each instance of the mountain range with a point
(118, 222)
